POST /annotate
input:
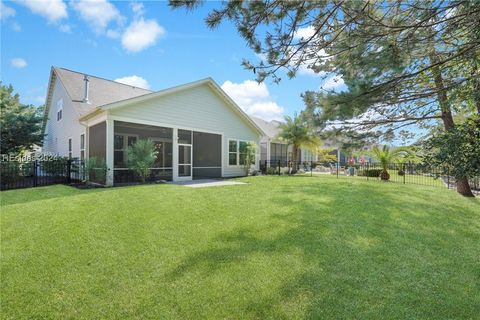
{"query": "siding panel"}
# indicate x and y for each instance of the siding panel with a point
(196, 108)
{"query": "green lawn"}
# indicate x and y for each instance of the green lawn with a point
(277, 248)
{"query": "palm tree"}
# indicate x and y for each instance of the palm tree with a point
(387, 155)
(297, 132)
(141, 157)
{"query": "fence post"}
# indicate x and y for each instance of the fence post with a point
(278, 167)
(366, 170)
(404, 172)
(311, 168)
(69, 170)
(448, 177)
(337, 169)
(34, 173)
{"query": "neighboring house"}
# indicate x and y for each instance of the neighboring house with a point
(274, 149)
(198, 130)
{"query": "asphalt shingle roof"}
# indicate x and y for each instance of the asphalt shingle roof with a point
(101, 91)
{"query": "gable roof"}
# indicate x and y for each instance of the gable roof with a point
(271, 128)
(208, 81)
(101, 91)
(107, 94)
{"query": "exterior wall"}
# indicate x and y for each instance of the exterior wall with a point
(197, 109)
(58, 132)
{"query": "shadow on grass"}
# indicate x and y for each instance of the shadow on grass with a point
(27, 195)
(364, 254)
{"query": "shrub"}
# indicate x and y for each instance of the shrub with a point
(373, 173)
(272, 170)
(96, 170)
(9, 171)
(55, 167)
(141, 158)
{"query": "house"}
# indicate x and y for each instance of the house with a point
(272, 149)
(199, 132)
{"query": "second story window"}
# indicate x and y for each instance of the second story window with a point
(59, 109)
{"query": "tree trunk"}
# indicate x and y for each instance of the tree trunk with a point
(294, 157)
(463, 187)
(476, 85)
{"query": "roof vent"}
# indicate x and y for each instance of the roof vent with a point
(87, 89)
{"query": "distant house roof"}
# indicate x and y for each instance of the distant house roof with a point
(271, 128)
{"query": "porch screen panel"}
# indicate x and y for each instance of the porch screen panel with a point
(207, 155)
(278, 151)
(97, 143)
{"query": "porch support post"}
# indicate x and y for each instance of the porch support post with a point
(175, 154)
(109, 152)
(268, 152)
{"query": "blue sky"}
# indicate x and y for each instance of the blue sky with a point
(143, 43)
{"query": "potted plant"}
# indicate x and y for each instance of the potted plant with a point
(387, 155)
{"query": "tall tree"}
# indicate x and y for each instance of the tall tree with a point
(401, 61)
(20, 124)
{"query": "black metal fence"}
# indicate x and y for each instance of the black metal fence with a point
(405, 173)
(17, 174)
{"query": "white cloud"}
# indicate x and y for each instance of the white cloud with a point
(137, 8)
(97, 13)
(135, 81)
(52, 10)
(254, 99)
(18, 63)
(333, 83)
(304, 33)
(141, 34)
(6, 11)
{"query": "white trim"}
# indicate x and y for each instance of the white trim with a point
(96, 120)
(190, 177)
(175, 154)
(238, 165)
(84, 146)
(109, 154)
(207, 167)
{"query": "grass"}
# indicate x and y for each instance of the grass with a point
(277, 248)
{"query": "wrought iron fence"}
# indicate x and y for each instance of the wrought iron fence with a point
(405, 173)
(18, 174)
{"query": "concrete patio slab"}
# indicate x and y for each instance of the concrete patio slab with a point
(204, 183)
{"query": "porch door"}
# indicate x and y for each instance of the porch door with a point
(184, 162)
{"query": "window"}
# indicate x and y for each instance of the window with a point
(242, 152)
(120, 144)
(237, 152)
(59, 109)
(70, 148)
(232, 152)
(82, 146)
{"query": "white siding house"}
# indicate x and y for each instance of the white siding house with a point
(62, 123)
(198, 129)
